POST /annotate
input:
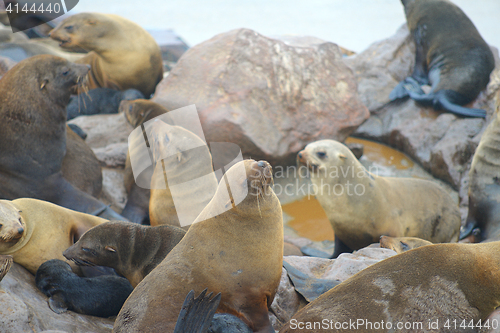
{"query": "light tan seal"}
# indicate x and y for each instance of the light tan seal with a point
(484, 184)
(238, 253)
(451, 56)
(48, 231)
(121, 53)
(188, 167)
(402, 244)
(417, 291)
(362, 206)
(132, 250)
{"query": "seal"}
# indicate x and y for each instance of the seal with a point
(33, 98)
(362, 206)
(484, 185)
(80, 167)
(137, 112)
(5, 265)
(402, 244)
(451, 56)
(99, 101)
(420, 287)
(132, 250)
(101, 296)
(48, 230)
(188, 159)
(121, 53)
(235, 247)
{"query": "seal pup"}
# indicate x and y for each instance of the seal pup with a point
(188, 166)
(101, 296)
(234, 247)
(132, 250)
(137, 112)
(451, 56)
(420, 290)
(47, 230)
(402, 244)
(122, 55)
(362, 206)
(33, 97)
(99, 101)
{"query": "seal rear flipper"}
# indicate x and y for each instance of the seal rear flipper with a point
(442, 100)
(197, 313)
(57, 304)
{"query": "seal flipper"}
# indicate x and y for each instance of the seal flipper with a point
(441, 101)
(197, 313)
(57, 304)
(405, 87)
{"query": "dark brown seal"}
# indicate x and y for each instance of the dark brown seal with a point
(421, 290)
(33, 98)
(122, 54)
(131, 249)
(235, 247)
(139, 111)
(451, 56)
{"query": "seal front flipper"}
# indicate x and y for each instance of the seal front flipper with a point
(197, 313)
(404, 88)
(57, 304)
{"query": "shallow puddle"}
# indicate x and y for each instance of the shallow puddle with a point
(383, 155)
(309, 219)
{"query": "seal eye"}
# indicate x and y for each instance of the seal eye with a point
(69, 28)
(404, 246)
(66, 72)
(321, 154)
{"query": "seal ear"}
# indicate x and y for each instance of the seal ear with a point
(44, 83)
(110, 249)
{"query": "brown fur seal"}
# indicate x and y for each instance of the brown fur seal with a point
(484, 184)
(421, 290)
(5, 265)
(451, 56)
(402, 244)
(33, 97)
(188, 167)
(137, 112)
(122, 54)
(238, 253)
(48, 230)
(131, 249)
(80, 167)
(362, 207)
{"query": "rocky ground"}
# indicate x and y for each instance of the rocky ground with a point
(308, 91)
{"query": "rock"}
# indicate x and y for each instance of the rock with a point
(104, 130)
(113, 155)
(113, 188)
(286, 302)
(441, 142)
(313, 276)
(23, 308)
(268, 97)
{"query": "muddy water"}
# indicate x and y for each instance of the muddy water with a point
(307, 218)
